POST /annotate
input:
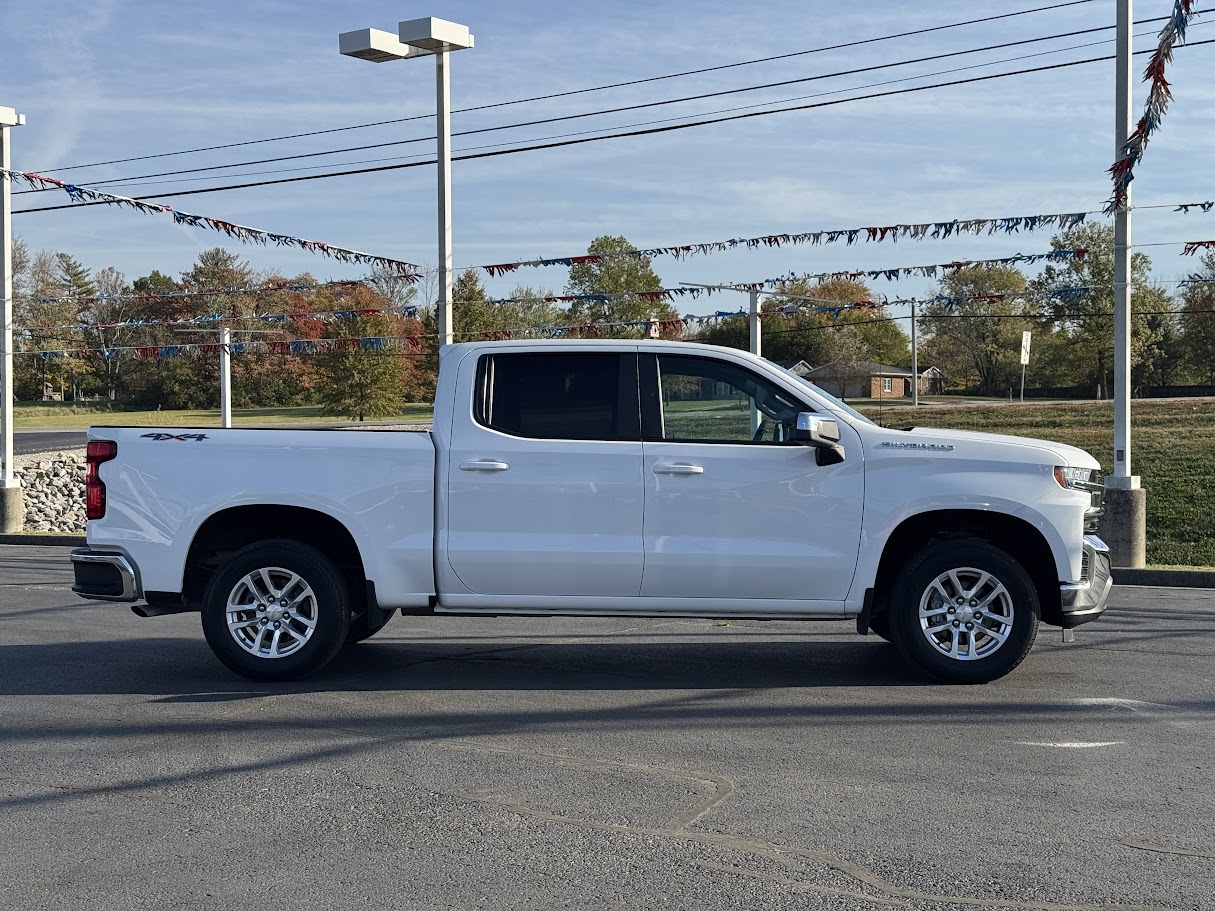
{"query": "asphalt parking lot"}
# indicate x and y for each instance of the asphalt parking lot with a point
(600, 763)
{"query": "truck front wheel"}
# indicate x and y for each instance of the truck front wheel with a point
(964, 611)
(276, 610)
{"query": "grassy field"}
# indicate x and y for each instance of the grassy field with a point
(1173, 451)
(83, 416)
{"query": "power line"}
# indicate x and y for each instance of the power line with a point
(623, 135)
(599, 88)
(653, 104)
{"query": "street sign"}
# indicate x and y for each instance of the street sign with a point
(1025, 337)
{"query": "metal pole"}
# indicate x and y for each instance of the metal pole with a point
(1122, 263)
(1022, 384)
(915, 362)
(443, 117)
(756, 346)
(12, 512)
(756, 340)
(225, 377)
(1124, 526)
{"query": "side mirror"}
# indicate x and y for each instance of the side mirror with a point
(822, 434)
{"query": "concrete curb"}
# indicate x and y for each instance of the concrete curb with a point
(1169, 578)
(49, 540)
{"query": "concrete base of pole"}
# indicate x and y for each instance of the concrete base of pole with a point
(12, 510)
(1124, 526)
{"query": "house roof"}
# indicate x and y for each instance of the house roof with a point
(868, 367)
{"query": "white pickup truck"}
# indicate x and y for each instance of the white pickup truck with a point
(600, 478)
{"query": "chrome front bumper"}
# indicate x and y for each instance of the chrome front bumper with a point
(104, 576)
(1085, 600)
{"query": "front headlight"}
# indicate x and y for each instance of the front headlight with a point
(1085, 480)
(1078, 478)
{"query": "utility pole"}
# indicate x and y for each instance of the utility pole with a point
(915, 362)
(225, 377)
(756, 347)
(12, 502)
(1125, 525)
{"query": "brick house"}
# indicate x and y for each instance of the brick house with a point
(876, 381)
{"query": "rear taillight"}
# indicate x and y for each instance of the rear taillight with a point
(98, 451)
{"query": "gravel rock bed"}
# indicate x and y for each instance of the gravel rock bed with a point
(54, 491)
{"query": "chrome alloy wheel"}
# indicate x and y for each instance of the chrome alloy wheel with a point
(271, 612)
(966, 614)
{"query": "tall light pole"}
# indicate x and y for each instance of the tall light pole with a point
(12, 505)
(419, 38)
(1124, 527)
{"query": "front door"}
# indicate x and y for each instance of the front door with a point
(544, 478)
(733, 508)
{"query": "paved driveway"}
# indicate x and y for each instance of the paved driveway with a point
(563, 763)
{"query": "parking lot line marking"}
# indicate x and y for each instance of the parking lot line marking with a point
(1135, 705)
(1071, 744)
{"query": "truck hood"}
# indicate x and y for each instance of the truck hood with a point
(1058, 453)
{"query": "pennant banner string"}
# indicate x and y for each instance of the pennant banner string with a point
(1159, 96)
(932, 271)
(932, 230)
(211, 318)
(243, 233)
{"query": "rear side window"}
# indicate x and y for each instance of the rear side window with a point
(560, 396)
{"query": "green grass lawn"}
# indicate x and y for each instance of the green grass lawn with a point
(83, 416)
(1172, 450)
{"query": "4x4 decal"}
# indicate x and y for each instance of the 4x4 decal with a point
(174, 436)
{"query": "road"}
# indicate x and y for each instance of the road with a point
(26, 442)
(600, 763)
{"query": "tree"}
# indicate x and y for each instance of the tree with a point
(818, 337)
(1086, 321)
(976, 341)
(616, 273)
(1198, 323)
(73, 278)
(362, 377)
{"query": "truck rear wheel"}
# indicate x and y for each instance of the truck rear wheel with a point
(964, 611)
(276, 610)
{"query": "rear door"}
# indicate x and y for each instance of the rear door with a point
(734, 509)
(544, 476)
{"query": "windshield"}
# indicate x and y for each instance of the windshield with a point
(833, 402)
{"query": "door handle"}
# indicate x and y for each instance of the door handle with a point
(484, 465)
(677, 468)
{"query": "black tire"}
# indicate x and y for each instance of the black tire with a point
(360, 630)
(941, 643)
(306, 633)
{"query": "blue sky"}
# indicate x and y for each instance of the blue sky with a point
(107, 79)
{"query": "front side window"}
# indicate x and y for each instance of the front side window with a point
(708, 401)
(575, 396)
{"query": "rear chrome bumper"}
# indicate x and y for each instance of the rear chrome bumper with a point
(104, 576)
(1086, 600)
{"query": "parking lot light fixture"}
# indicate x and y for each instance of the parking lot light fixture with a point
(418, 38)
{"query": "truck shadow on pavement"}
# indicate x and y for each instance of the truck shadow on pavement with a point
(182, 669)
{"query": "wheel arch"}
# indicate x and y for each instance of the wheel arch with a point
(228, 530)
(1018, 538)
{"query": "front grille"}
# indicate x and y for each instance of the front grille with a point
(1085, 565)
(1096, 507)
